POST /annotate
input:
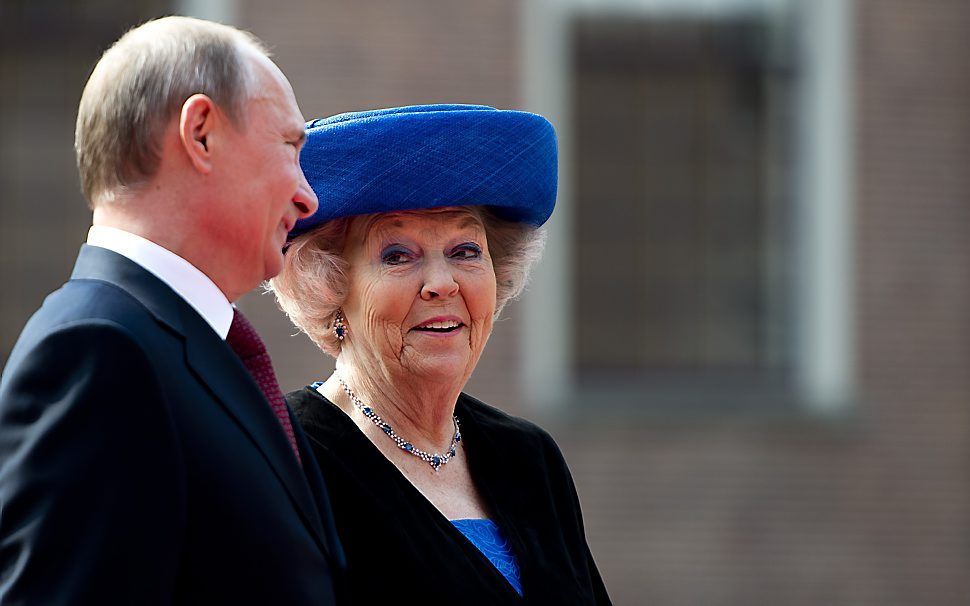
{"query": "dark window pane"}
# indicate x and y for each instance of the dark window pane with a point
(682, 200)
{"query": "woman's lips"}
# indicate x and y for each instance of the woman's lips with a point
(441, 326)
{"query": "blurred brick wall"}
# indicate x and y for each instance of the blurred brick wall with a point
(873, 508)
(47, 51)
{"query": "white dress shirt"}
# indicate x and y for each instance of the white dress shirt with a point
(184, 278)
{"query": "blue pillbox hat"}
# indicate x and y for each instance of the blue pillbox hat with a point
(427, 156)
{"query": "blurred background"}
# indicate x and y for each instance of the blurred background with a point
(749, 332)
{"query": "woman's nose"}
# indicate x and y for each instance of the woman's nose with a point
(438, 281)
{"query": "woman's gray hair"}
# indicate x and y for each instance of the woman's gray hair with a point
(141, 82)
(314, 282)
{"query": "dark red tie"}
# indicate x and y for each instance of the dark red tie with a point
(245, 341)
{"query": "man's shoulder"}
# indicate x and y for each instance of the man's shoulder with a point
(78, 301)
(84, 306)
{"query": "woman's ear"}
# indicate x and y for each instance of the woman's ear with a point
(196, 122)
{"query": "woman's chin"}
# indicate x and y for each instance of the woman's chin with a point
(438, 365)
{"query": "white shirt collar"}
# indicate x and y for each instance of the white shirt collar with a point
(184, 278)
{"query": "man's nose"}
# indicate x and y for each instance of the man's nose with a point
(439, 281)
(305, 199)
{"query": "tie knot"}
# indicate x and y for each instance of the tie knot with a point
(243, 338)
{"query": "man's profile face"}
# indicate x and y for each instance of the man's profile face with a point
(265, 189)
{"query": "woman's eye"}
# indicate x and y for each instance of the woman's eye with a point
(395, 255)
(468, 250)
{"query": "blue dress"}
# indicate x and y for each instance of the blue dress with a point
(487, 536)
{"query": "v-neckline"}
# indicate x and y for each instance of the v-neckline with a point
(352, 431)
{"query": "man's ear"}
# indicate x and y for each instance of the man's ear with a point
(196, 123)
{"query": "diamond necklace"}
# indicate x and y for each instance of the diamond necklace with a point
(435, 460)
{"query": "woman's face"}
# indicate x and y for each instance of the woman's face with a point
(422, 293)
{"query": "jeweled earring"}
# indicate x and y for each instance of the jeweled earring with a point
(339, 328)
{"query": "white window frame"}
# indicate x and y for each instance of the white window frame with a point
(222, 11)
(824, 325)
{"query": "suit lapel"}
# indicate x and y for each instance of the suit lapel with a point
(94, 263)
(228, 380)
(215, 366)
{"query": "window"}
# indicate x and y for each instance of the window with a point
(695, 239)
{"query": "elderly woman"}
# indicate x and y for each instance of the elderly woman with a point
(428, 223)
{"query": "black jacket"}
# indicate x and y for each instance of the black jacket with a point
(401, 548)
(141, 464)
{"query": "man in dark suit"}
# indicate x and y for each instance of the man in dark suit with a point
(143, 458)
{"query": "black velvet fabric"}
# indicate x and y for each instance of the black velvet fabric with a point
(400, 547)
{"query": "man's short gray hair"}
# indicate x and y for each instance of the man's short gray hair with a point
(315, 283)
(141, 82)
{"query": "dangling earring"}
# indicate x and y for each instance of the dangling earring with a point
(339, 328)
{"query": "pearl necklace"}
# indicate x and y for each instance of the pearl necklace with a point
(435, 460)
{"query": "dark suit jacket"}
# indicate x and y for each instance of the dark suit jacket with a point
(141, 464)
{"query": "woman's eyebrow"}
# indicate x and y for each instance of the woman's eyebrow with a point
(379, 224)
